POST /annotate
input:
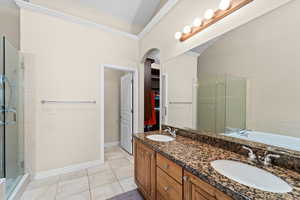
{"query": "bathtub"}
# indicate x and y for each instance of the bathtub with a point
(287, 142)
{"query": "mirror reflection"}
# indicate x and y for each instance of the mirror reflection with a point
(247, 93)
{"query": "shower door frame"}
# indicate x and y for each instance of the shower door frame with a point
(24, 177)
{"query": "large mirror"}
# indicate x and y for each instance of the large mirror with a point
(242, 84)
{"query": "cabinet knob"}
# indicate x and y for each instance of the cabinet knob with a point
(185, 178)
(166, 188)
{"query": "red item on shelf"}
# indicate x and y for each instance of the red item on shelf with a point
(152, 120)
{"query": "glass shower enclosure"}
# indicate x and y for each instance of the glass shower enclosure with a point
(221, 103)
(11, 116)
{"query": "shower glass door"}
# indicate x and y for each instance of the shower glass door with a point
(11, 124)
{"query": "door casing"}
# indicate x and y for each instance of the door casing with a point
(100, 101)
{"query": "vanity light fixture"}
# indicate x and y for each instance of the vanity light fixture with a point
(178, 35)
(197, 22)
(187, 29)
(209, 14)
(226, 7)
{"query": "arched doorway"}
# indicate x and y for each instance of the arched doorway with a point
(152, 75)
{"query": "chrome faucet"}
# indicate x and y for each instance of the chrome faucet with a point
(267, 159)
(169, 130)
(251, 156)
(244, 132)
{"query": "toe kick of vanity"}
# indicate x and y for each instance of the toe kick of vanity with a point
(159, 178)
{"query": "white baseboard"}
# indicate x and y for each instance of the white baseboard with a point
(19, 190)
(111, 144)
(67, 169)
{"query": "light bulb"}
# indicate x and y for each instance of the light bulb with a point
(197, 22)
(224, 4)
(178, 35)
(187, 29)
(209, 14)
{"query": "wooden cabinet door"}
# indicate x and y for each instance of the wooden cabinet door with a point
(144, 167)
(195, 189)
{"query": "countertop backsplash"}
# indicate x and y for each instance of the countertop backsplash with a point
(289, 159)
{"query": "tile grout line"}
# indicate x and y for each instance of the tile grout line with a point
(123, 190)
(76, 193)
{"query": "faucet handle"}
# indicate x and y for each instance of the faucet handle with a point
(168, 129)
(248, 149)
(252, 156)
(267, 159)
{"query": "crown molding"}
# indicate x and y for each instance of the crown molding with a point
(33, 7)
(156, 19)
(41, 9)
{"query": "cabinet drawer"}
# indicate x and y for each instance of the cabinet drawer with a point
(167, 187)
(169, 167)
(194, 188)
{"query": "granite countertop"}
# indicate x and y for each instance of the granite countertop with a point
(195, 157)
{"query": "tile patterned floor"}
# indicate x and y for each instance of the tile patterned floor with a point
(113, 177)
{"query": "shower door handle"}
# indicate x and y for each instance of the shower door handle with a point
(14, 121)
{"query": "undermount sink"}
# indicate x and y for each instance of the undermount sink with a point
(251, 176)
(160, 138)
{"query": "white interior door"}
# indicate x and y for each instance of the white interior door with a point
(126, 112)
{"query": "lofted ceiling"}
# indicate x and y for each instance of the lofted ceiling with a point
(126, 15)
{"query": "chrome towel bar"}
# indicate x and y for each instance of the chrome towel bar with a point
(46, 101)
(178, 102)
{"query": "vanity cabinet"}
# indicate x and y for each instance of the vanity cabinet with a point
(159, 178)
(145, 170)
(195, 189)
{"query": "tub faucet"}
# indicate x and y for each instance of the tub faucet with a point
(244, 132)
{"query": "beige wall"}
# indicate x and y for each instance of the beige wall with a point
(9, 22)
(67, 58)
(268, 57)
(112, 105)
